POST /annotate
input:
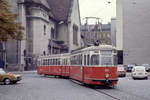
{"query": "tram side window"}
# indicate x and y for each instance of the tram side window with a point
(75, 60)
(80, 59)
(55, 60)
(84, 59)
(63, 62)
(41, 62)
(95, 60)
(58, 61)
(49, 61)
(44, 62)
(88, 59)
(52, 61)
(71, 60)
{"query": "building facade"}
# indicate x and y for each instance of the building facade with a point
(94, 33)
(51, 26)
(133, 32)
(113, 31)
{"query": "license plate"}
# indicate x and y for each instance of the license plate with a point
(140, 73)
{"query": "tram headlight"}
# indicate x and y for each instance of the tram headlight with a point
(106, 75)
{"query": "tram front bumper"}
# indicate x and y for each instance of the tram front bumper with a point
(105, 81)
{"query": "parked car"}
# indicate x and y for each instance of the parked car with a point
(121, 71)
(147, 66)
(8, 78)
(129, 67)
(139, 72)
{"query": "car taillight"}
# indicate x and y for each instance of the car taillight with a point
(134, 73)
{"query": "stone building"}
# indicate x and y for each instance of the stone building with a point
(51, 26)
(133, 32)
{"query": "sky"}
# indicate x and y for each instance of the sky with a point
(104, 9)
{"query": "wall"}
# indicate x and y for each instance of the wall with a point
(119, 25)
(136, 31)
(40, 39)
(75, 19)
(113, 31)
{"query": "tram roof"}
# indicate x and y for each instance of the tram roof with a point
(100, 47)
(55, 55)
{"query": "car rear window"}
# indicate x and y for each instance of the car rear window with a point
(120, 68)
(140, 69)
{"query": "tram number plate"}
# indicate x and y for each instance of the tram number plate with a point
(106, 70)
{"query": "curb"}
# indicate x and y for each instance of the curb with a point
(24, 72)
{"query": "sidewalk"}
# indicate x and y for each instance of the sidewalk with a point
(24, 72)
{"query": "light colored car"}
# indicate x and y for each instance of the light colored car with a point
(121, 71)
(139, 72)
(8, 78)
(147, 66)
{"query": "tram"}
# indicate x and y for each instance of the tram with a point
(95, 65)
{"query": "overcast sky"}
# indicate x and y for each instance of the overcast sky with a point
(105, 9)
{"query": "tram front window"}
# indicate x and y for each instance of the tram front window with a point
(106, 60)
(95, 60)
(106, 57)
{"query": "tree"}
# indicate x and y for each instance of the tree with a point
(9, 27)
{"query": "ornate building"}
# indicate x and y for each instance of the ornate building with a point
(52, 26)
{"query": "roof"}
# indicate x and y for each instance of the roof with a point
(60, 9)
(43, 2)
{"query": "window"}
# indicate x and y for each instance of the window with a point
(52, 33)
(106, 60)
(95, 60)
(75, 34)
(88, 59)
(44, 29)
(84, 59)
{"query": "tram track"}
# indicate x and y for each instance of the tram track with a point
(107, 94)
(97, 90)
(125, 93)
(132, 94)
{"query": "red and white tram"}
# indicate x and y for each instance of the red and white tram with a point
(95, 65)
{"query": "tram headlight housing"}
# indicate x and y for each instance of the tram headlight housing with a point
(106, 75)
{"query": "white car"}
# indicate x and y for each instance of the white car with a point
(147, 66)
(139, 72)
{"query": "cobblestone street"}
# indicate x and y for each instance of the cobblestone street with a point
(34, 87)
